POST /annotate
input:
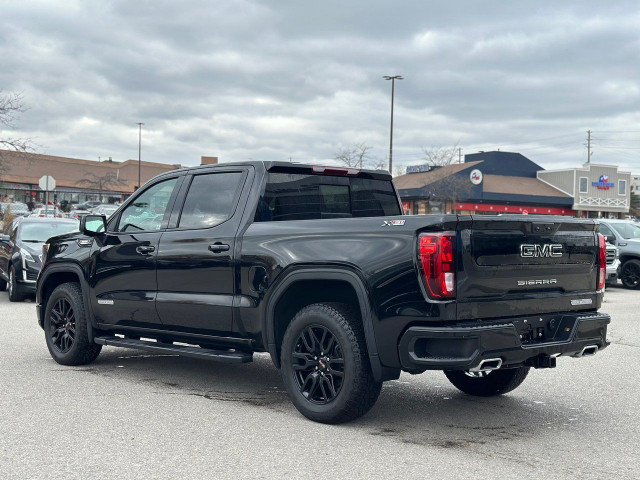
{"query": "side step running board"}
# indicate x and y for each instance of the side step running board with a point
(224, 356)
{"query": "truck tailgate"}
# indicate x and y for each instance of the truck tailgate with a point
(521, 265)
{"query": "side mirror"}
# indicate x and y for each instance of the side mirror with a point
(4, 238)
(92, 225)
(611, 239)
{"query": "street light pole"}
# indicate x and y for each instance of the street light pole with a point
(393, 79)
(139, 149)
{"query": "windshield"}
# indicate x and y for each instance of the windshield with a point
(41, 231)
(627, 230)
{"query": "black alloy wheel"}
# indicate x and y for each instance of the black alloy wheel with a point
(325, 366)
(318, 364)
(487, 384)
(13, 289)
(66, 327)
(62, 327)
(630, 274)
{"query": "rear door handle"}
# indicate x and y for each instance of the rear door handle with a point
(144, 249)
(218, 247)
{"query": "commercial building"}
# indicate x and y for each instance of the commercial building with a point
(635, 184)
(487, 182)
(598, 191)
(76, 180)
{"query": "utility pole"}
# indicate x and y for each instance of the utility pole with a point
(588, 146)
(139, 149)
(459, 155)
(393, 79)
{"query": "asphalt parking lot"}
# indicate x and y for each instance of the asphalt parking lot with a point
(133, 415)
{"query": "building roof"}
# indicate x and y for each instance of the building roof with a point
(27, 168)
(520, 186)
(419, 180)
(505, 163)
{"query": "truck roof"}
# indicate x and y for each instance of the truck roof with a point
(271, 166)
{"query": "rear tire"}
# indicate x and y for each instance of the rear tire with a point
(496, 382)
(630, 274)
(65, 327)
(325, 366)
(15, 295)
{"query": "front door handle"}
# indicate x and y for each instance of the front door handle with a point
(218, 247)
(144, 249)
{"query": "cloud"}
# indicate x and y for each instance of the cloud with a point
(249, 79)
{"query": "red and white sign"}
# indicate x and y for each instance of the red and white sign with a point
(485, 207)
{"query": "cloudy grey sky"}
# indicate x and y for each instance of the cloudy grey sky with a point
(271, 80)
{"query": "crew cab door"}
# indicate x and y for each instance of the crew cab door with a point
(196, 274)
(123, 276)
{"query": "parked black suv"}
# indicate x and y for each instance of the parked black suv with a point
(21, 244)
(318, 267)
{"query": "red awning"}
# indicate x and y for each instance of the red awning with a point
(531, 210)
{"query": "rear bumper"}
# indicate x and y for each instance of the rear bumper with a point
(519, 341)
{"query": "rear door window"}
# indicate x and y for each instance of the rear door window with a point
(211, 200)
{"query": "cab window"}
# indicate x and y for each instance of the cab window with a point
(147, 211)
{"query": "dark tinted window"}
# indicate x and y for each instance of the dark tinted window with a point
(210, 199)
(291, 196)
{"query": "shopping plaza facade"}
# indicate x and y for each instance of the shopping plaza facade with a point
(76, 180)
(507, 182)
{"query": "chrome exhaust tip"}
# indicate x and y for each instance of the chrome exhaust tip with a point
(587, 351)
(487, 365)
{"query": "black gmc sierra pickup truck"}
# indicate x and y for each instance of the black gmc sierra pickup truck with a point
(318, 267)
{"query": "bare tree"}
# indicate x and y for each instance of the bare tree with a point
(101, 182)
(379, 164)
(441, 156)
(398, 170)
(452, 188)
(356, 155)
(11, 105)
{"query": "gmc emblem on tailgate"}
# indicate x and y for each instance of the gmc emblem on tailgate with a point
(536, 250)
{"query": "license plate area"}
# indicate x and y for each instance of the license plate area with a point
(545, 328)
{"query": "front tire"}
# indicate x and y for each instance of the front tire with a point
(630, 274)
(495, 382)
(325, 366)
(15, 295)
(65, 327)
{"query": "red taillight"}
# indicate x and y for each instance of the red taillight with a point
(602, 271)
(437, 254)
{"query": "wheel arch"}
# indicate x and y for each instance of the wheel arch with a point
(56, 275)
(625, 257)
(333, 281)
